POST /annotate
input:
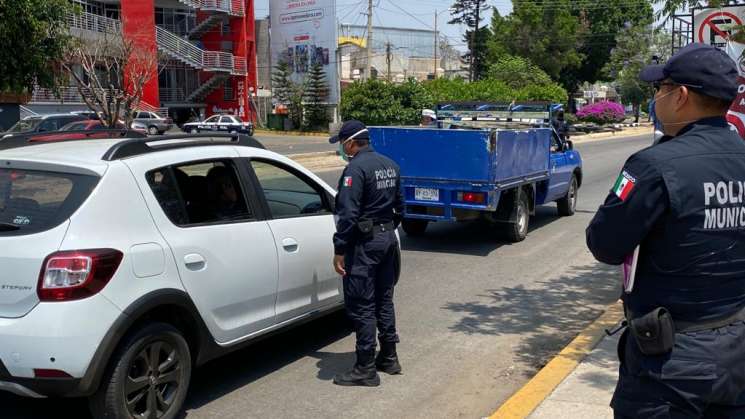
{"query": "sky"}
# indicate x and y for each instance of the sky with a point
(415, 14)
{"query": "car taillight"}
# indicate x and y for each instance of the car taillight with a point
(78, 274)
(47, 373)
(472, 197)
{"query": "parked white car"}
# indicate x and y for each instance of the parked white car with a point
(128, 262)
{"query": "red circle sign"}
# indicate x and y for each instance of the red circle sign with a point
(708, 22)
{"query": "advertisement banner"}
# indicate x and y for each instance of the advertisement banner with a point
(714, 27)
(303, 33)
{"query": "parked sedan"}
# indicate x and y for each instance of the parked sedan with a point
(155, 123)
(89, 125)
(42, 123)
(220, 123)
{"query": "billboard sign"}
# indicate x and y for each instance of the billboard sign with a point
(303, 33)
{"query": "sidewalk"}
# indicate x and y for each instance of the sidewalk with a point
(587, 391)
(578, 382)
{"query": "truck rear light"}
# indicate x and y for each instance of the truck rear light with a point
(45, 373)
(472, 197)
(78, 274)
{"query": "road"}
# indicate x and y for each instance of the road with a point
(296, 144)
(477, 319)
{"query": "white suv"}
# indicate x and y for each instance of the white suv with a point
(127, 262)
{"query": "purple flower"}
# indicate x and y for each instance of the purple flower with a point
(602, 113)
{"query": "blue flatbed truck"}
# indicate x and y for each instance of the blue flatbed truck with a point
(493, 165)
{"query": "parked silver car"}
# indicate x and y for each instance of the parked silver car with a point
(155, 123)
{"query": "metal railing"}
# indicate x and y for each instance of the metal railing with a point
(95, 23)
(71, 95)
(172, 94)
(67, 95)
(178, 46)
(240, 66)
(233, 7)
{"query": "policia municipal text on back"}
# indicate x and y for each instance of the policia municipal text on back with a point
(682, 203)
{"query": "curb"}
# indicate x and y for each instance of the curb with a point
(302, 156)
(291, 133)
(532, 394)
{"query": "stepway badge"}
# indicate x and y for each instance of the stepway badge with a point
(624, 185)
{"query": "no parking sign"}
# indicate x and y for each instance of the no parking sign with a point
(715, 27)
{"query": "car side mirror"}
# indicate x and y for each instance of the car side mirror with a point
(569, 145)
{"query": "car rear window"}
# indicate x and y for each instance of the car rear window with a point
(32, 201)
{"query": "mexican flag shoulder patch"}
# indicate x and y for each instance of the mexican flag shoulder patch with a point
(347, 181)
(624, 185)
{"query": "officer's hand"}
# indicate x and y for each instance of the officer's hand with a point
(339, 265)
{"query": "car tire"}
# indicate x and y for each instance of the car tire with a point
(156, 343)
(153, 130)
(194, 131)
(567, 205)
(250, 132)
(414, 227)
(516, 229)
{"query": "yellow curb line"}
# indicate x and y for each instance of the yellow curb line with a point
(530, 396)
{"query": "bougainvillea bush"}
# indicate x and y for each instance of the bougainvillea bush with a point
(602, 113)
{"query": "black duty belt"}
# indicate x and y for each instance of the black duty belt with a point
(698, 326)
(381, 228)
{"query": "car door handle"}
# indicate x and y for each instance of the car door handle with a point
(290, 245)
(194, 262)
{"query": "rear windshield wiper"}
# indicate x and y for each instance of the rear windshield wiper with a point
(8, 227)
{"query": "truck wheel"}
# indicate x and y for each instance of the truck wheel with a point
(568, 204)
(147, 377)
(517, 227)
(414, 227)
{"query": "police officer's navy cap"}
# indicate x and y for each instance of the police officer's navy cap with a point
(703, 68)
(349, 129)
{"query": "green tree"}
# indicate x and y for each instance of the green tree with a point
(288, 93)
(544, 32)
(635, 46)
(518, 72)
(316, 95)
(373, 102)
(471, 14)
(602, 22)
(281, 82)
(33, 40)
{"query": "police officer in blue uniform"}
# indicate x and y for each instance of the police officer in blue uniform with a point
(369, 206)
(682, 203)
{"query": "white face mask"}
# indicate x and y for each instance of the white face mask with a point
(342, 153)
(668, 124)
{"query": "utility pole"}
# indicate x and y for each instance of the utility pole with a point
(368, 69)
(435, 73)
(388, 59)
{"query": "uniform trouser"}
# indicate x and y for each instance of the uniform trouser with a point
(368, 290)
(702, 377)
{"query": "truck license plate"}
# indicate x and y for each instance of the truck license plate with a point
(426, 194)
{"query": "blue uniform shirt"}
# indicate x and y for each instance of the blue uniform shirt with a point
(683, 201)
(369, 189)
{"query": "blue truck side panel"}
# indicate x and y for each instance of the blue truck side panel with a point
(521, 155)
(477, 161)
(436, 154)
(473, 156)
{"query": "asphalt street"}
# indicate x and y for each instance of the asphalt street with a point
(477, 317)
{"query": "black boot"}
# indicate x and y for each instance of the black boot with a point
(363, 373)
(387, 360)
